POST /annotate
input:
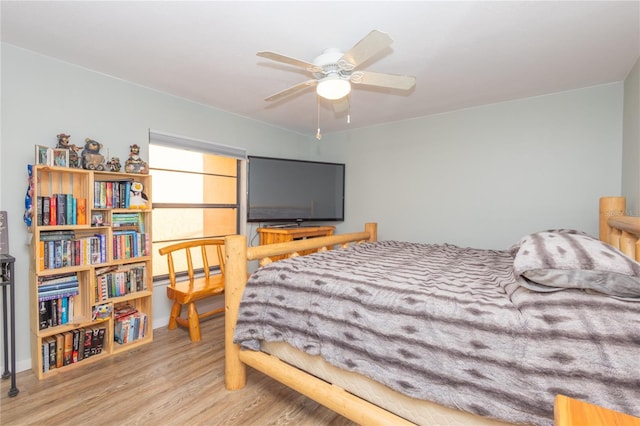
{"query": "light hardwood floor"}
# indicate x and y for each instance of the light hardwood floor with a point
(171, 381)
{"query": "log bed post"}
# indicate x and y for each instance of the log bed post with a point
(235, 372)
(610, 207)
(235, 278)
(372, 229)
(622, 232)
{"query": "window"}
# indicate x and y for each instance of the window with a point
(195, 194)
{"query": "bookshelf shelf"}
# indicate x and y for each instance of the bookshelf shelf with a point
(71, 249)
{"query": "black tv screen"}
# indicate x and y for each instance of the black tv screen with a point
(284, 190)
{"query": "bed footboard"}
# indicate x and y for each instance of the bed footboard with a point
(622, 232)
(237, 254)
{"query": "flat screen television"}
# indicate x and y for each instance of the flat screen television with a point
(285, 190)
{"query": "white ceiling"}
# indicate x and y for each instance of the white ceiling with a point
(462, 53)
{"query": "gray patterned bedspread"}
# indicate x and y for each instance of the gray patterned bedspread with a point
(450, 325)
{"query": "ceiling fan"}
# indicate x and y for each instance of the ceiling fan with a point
(334, 71)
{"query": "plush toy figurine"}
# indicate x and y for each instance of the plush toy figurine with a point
(102, 311)
(134, 163)
(114, 164)
(91, 157)
(137, 198)
(63, 142)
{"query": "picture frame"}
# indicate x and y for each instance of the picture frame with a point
(4, 232)
(43, 155)
(97, 219)
(60, 157)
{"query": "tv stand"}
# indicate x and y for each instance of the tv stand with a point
(282, 235)
(284, 226)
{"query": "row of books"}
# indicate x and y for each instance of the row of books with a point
(61, 209)
(71, 347)
(60, 249)
(56, 286)
(55, 312)
(111, 194)
(128, 220)
(130, 324)
(120, 281)
(128, 244)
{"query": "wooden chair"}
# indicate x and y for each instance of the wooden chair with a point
(189, 291)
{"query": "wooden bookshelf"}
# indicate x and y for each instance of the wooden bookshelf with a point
(93, 262)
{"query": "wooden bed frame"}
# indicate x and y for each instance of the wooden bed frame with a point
(620, 231)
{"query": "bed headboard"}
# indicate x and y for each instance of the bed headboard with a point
(622, 232)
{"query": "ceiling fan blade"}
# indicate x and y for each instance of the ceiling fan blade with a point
(292, 89)
(289, 60)
(392, 81)
(369, 46)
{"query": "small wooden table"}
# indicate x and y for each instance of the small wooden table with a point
(572, 412)
(283, 235)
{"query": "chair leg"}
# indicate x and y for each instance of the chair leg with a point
(194, 323)
(176, 310)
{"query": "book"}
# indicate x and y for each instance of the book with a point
(59, 307)
(96, 194)
(51, 340)
(59, 350)
(103, 194)
(57, 235)
(82, 333)
(101, 333)
(53, 312)
(46, 211)
(109, 194)
(69, 212)
(121, 330)
(134, 328)
(76, 346)
(70, 308)
(44, 348)
(41, 254)
(68, 348)
(58, 295)
(88, 335)
(103, 247)
(97, 340)
(143, 326)
(45, 286)
(65, 312)
(39, 201)
(53, 210)
(81, 211)
(44, 317)
(61, 207)
(57, 278)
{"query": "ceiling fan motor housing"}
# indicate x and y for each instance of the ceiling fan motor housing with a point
(329, 62)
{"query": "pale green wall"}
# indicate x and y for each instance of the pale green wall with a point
(480, 177)
(631, 144)
(485, 176)
(42, 97)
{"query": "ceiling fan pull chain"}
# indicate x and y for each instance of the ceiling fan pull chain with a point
(349, 108)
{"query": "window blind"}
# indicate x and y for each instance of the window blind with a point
(182, 142)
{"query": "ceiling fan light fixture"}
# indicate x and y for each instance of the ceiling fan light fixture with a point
(333, 87)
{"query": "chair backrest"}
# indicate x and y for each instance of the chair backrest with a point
(203, 244)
